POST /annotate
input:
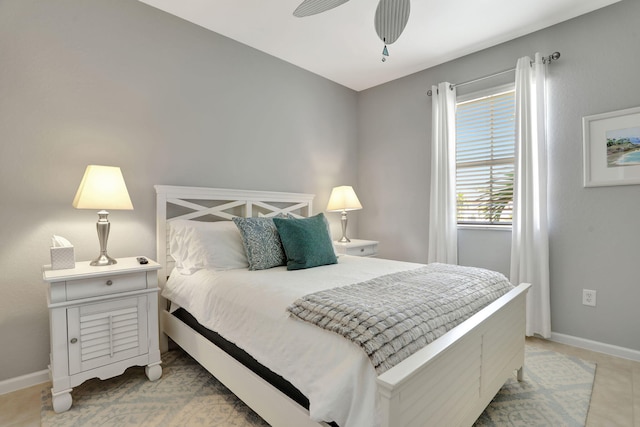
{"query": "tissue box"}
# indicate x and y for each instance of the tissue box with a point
(62, 258)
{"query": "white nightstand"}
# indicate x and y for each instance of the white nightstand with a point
(357, 247)
(102, 320)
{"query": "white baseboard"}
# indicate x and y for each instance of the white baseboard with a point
(612, 350)
(24, 381)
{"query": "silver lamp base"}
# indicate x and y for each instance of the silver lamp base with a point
(103, 259)
(343, 220)
(103, 227)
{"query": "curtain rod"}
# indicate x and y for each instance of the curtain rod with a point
(547, 59)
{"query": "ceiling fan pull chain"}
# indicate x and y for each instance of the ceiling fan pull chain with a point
(385, 52)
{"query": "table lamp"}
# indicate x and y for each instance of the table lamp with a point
(343, 199)
(102, 187)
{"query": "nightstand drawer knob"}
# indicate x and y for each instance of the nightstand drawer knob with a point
(74, 340)
(109, 282)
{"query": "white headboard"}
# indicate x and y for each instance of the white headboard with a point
(216, 204)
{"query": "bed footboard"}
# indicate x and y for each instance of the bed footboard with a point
(452, 380)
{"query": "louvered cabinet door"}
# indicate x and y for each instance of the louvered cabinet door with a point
(103, 333)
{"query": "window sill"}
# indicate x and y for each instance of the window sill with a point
(484, 227)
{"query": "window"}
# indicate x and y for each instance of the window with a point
(485, 145)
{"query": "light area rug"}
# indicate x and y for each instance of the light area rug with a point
(185, 395)
(556, 392)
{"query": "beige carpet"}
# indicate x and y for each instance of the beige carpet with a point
(556, 392)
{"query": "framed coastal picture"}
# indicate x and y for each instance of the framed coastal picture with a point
(612, 148)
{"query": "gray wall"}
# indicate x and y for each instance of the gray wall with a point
(593, 231)
(121, 83)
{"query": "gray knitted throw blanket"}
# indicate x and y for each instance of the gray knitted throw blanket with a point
(391, 317)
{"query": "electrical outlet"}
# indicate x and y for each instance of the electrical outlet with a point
(589, 297)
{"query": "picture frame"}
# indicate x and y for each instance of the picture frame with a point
(611, 148)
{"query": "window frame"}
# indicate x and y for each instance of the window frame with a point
(492, 91)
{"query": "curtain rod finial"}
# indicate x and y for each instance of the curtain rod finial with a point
(553, 57)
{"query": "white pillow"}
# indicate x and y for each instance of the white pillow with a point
(215, 245)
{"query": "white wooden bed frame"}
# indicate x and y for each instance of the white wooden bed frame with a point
(447, 383)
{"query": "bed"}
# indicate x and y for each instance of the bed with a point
(448, 382)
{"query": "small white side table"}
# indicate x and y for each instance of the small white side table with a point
(357, 247)
(102, 320)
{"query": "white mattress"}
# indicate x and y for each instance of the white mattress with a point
(248, 308)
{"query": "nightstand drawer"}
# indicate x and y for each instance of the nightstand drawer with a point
(86, 288)
(357, 247)
(363, 250)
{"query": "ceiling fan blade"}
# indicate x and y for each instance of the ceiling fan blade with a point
(391, 18)
(312, 7)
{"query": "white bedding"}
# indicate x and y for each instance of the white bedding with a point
(248, 308)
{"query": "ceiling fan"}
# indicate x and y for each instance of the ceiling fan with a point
(390, 19)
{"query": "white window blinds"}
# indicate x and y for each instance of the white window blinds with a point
(485, 144)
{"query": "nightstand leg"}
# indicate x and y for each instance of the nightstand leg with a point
(153, 372)
(61, 400)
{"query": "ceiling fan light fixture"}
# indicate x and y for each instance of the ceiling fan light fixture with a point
(391, 18)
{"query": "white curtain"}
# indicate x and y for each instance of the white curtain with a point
(443, 232)
(530, 239)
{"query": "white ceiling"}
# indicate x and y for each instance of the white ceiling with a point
(342, 45)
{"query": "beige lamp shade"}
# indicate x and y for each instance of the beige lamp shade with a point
(102, 187)
(343, 198)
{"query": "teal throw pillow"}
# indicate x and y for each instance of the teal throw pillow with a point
(306, 242)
